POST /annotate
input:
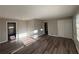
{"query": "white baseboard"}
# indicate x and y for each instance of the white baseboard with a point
(4, 41)
(58, 36)
(40, 35)
(52, 35)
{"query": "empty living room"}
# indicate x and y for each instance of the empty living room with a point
(39, 29)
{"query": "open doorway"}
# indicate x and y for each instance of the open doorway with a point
(46, 28)
(11, 29)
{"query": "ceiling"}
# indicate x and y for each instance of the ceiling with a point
(27, 12)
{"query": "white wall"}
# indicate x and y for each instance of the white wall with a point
(30, 27)
(2, 30)
(76, 30)
(36, 26)
(52, 27)
(21, 29)
(60, 27)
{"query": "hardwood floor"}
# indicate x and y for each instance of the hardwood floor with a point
(47, 45)
(9, 47)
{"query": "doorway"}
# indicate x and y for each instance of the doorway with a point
(11, 27)
(46, 28)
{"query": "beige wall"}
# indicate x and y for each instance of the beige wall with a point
(60, 27)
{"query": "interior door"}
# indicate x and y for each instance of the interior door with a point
(11, 31)
(46, 27)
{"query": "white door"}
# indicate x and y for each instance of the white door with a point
(61, 28)
(65, 28)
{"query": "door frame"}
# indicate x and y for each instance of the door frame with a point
(46, 23)
(7, 28)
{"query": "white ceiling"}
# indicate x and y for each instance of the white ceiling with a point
(28, 12)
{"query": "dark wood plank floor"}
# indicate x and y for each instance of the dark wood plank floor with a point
(47, 45)
(9, 47)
